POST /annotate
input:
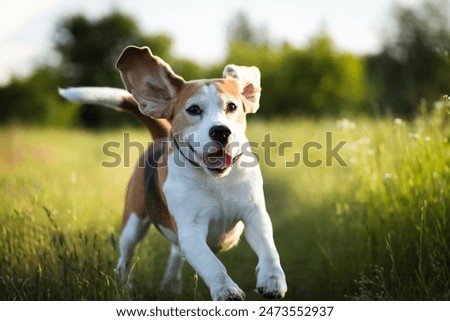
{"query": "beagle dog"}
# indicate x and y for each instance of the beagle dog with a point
(198, 183)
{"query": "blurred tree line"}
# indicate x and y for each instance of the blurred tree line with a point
(412, 68)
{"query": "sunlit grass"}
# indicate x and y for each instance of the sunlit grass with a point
(374, 229)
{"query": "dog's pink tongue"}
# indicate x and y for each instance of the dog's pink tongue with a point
(218, 160)
(228, 160)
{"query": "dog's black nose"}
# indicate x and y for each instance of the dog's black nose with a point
(220, 134)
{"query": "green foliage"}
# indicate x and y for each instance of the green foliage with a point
(376, 229)
(316, 80)
(189, 70)
(413, 65)
(35, 101)
(89, 50)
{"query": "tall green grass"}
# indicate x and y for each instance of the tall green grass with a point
(376, 229)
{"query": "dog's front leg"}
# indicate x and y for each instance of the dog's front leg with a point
(271, 281)
(192, 240)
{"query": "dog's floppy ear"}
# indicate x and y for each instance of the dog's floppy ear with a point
(150, 80)
(249, 79)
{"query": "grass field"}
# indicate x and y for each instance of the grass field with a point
(376, 229)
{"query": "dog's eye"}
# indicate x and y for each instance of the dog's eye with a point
(231, 107)
(194, 110)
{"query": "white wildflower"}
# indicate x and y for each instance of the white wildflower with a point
(414, 135)
(360, 142)
(346, 124)
(438, 105)
(398, 121)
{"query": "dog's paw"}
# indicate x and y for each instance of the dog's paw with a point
(229, 293)
(121, 272)
(271, 283)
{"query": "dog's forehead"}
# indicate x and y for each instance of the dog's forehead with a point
(228, 87)
(218, 87)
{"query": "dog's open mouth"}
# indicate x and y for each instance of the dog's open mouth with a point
(218, 161)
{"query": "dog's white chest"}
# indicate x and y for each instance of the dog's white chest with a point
(215, 206)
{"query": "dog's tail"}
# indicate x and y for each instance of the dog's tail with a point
(118, 99)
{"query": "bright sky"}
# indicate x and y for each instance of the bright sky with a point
(198, 27)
